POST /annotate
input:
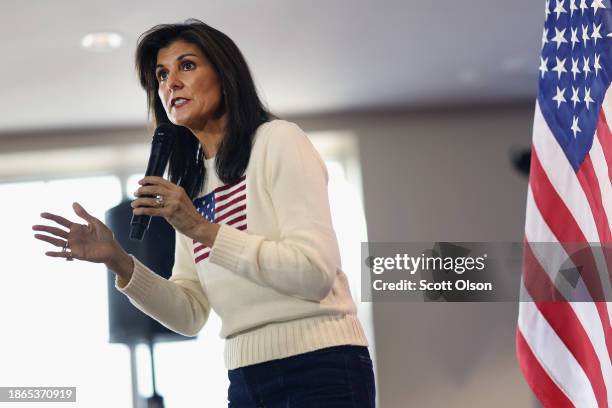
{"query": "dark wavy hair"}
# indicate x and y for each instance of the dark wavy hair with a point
(245, 111)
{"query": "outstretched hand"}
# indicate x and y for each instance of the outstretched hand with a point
(93, 242)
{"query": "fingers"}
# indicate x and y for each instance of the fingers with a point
(80, 211)
(152, 211)
(54, 241)
(51, 230)
(59, 254)
(154, 180)
(151, 190)
(60, 220)
(145, 202)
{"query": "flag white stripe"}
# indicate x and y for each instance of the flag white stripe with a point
(201, 252)
(554, 357)
(601, 171)
(230, 208)
(562, 176)
(588, 317)
(223, 198)
(231, 190)
(537, 231)
(566, 184)
(549, 253)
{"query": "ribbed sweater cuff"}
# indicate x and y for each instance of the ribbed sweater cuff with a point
(139, 286)
(280, 340)
(228, 246)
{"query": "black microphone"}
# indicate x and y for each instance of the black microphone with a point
(161, 146)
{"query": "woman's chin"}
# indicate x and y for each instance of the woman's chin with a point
(179, 121)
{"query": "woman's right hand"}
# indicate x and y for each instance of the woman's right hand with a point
(93, 242)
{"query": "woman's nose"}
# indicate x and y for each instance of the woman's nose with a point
(173, 81)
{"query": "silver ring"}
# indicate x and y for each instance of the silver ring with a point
(66, 249)
(159, 200)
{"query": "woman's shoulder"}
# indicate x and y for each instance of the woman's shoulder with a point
(279, 132)
(278, 126)
(281, 142)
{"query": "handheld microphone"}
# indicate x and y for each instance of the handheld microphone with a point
(161, 146)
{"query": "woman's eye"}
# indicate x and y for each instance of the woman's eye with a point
(188, 65)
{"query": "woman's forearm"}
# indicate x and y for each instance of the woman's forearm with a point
(122, 263)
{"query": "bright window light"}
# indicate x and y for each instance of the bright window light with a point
(102, 41)
(55, 313)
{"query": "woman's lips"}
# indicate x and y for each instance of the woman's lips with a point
(180, 103)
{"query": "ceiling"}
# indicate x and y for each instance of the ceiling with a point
(306, 57)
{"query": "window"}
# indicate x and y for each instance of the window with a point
(54, 313)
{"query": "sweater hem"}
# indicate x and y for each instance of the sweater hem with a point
(279, 340)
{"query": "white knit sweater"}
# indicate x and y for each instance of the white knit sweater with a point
(273, 274)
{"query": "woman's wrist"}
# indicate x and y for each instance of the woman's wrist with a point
(206, 232)
(122, 264)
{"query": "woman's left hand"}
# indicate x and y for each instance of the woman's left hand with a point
(162, 198)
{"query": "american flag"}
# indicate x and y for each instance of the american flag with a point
(565, 347)
(224, 205)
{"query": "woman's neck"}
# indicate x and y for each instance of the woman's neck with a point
(210, 136)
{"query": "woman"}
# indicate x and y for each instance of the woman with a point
(247, 197)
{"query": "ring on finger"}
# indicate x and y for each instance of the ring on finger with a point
(66, 249)
(159, 200)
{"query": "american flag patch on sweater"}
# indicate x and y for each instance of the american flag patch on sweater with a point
(224, 205)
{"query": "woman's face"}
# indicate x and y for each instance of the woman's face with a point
(188, 85)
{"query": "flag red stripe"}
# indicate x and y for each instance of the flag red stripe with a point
(605, 140)
(554, 211)
(590, 185)
(231, 193)
(234, 201)
(563, 320)
(536, 280)
(227, 214)
(199, 247)
(230, 197)
(604, 316)
(237, 220)
(588, 180)
(228, 186)
(563, 225)
(202, 257)
(547, 392)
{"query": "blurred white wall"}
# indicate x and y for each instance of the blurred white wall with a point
(443, 175)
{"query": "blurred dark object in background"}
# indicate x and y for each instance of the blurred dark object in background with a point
(127, 324)
(521, 160)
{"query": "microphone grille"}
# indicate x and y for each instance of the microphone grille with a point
(163, 132)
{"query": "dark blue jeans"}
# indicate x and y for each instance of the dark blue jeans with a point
(333, 377)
